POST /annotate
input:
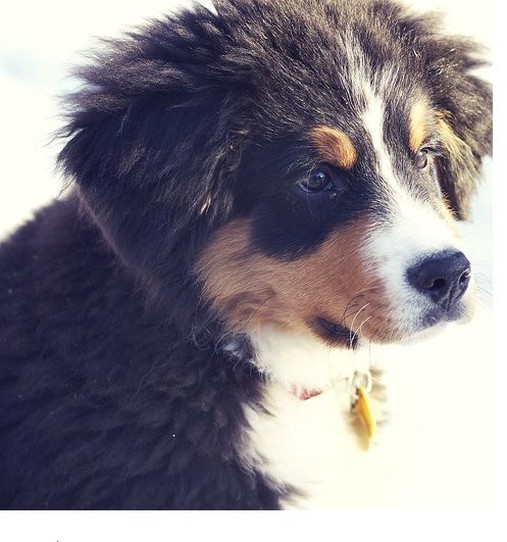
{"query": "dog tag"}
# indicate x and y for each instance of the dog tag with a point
(362, 407)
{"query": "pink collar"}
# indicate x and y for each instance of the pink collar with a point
(305, 393)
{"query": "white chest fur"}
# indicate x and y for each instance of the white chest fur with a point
(309, 444)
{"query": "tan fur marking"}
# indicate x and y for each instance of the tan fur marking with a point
(250, 289)
(334, 146)
(418, 126)
(455, 146)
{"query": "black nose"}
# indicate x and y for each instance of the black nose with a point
(444, 277)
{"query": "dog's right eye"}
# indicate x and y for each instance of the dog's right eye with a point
(319, 179)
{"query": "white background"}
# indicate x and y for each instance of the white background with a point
(440, 449)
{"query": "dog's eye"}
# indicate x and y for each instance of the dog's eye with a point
(421, 158)
(318, 180)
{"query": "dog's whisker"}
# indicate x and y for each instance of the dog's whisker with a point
(357, 333)
(353, 335)
(484, 297)
(356, 299)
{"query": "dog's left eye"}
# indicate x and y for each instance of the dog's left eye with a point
(421, 158)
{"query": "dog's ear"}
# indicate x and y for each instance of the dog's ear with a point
(463, 103)
(153, 142)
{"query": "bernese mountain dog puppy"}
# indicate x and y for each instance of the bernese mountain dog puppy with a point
(257, 193)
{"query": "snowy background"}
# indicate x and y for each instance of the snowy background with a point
(438, 451)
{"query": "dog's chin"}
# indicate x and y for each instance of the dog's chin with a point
(337, 335)
(423, 326)
(423, 334)
(435, 321)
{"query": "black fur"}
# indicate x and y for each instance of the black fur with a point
(114, 390)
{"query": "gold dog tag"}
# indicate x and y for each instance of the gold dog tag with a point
(364, 410)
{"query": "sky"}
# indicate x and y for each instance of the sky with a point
(40, 41)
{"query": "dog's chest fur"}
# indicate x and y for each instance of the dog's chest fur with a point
(308, 445)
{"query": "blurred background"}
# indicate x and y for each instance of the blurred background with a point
(441, 451)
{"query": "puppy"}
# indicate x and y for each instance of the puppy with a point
(257, 194)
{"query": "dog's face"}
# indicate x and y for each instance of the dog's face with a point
(306, 167)
(343, 229)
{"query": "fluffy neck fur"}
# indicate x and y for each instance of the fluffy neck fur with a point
(302, 361)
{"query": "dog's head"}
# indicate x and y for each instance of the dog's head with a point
(302, 162)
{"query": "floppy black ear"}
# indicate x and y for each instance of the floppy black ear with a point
(153, 142)
(464, 107)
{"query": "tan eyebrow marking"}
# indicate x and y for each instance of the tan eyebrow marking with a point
(453, 144)
(419, 129)
(334, 146)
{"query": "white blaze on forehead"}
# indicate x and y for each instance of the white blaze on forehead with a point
(373, 120)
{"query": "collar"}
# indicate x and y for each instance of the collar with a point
(305, 393)
(358, 380)
(360, 386)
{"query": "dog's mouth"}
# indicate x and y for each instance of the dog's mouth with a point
(338, 335)
(333, 333)
(438, 316)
